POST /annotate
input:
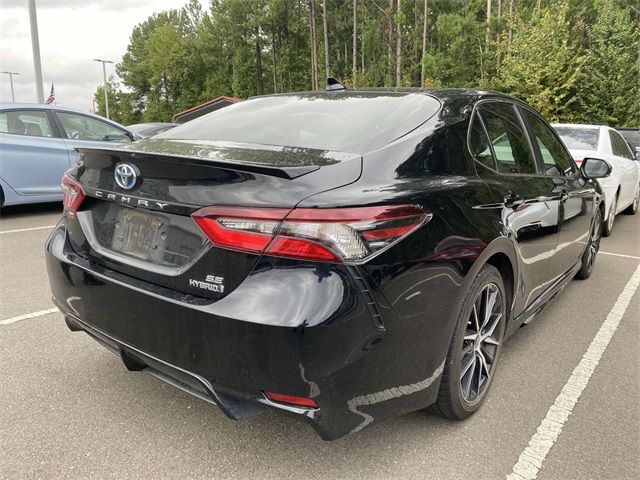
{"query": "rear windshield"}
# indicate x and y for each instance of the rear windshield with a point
(354, 122)
(579, 138)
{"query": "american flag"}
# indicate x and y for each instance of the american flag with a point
(52, 97)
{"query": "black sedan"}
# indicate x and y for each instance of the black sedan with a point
(342, 256)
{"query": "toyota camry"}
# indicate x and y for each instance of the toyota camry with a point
(342, 257)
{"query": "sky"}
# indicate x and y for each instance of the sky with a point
(72, 33)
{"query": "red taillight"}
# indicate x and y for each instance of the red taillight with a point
(291, 400)
(73, 195)
(578, 161)
(329, 235)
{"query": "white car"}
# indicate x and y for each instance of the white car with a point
(622, 187)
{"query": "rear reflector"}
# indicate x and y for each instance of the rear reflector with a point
(327, 235)
(73, 195)
(291, 400)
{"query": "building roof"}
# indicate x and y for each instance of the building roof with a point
(206, 107)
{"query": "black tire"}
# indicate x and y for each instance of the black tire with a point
(590, 253)
(607, 227)
(452, 400)
(633, 208)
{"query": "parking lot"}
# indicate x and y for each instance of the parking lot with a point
(69, 409)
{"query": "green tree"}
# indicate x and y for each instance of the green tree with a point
(122, 105)
(609, 92)
(543, 65)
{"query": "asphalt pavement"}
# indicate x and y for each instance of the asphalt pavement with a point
(70, 410)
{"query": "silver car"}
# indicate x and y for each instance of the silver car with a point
(37, 145)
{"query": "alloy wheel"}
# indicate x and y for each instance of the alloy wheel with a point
(481, 343)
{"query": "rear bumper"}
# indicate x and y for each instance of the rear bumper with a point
(350, 364)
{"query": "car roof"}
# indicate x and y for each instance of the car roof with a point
(439, 93)
(60, 108)
(39, 106)
(580, 125)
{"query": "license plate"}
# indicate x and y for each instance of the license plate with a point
(139, 234)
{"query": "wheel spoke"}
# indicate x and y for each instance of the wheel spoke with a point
(492, 327)
(474, 315)
(467, 380)
(465, 368)
(483, 363)
(491, 302)
(491, 341)
(470, 337)
(488, 356)
(479, 376)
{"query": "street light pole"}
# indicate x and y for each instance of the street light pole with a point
(35, 46)
(11, 74)
(104, 76)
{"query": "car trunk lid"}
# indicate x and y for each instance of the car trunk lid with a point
(146, 231)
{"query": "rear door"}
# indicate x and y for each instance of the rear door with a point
(531, 203)
(32, 155)
(575, 194)
(628, 169)
(82, 131)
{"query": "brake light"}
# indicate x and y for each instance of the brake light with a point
(329, 235)
(578, 161)
(73, 195)
(291, 400)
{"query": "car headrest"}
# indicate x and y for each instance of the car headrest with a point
(16, 127)
(34, 129)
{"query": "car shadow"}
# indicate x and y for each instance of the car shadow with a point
(22, 211)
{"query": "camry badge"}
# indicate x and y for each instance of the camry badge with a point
(126, 176)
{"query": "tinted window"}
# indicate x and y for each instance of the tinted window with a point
(577, 138)
(479, 144)
(619, 146)
(510, 142)
(81, 127)
(348, 122)
(556, 159)
(34, 123)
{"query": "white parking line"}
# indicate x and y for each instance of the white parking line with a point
(27, 229)
(41, 313)
(531, 459)
(619, 255)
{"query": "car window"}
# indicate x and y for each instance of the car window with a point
(81, 127)
(33, 123)
(576, 138)
(479, 143)
(556, 160)
(509, 140)
(619, 146)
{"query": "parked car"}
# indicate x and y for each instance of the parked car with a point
(37, 145)
(146, 130)
(343, 257)
(632, 136)
(622, 187)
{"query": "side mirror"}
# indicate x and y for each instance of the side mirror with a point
(595, 168)
(638, 154)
